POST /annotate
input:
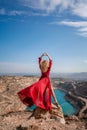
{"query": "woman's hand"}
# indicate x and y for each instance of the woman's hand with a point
(46, 54)
(42, 55)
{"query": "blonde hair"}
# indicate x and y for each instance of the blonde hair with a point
(44, 65)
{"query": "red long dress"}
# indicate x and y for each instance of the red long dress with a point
(38, 93)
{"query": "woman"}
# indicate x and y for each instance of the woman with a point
(40, 92)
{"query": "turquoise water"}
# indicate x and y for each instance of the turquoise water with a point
(67, 108)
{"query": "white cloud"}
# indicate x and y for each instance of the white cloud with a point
(20, 12)
(80, 8)
(3, 11)
(47, 5)
(40, 4)
(84, 29)
(81, 26)
(16, 12)
(74, 24)
(83, 34)
(76, 7)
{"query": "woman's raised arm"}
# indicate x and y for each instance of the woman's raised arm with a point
(46, 54)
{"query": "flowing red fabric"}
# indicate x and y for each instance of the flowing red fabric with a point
(38, 93)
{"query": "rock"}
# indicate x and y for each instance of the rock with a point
(57, 111)
(53, 128)
(31, 127)
(9, 86)
(55, 114)
(35, 127)
(2, 88)
(73, 117)
(21, 128)
(41, 113)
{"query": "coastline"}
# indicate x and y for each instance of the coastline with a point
(74, 100)
(70, 100)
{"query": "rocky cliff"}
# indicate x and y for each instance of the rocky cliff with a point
(13, 114)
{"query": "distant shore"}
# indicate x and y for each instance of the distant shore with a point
(80, 103)
(71, 101)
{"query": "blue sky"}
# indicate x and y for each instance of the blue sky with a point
(30, 27)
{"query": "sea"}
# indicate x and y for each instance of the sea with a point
(67, 108)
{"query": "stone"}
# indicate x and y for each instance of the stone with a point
(40, 113)
(21, 128)
(55, 114)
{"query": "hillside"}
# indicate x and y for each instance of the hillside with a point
(14, 117)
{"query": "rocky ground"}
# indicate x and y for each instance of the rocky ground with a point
(14, 117)
(21, 121)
